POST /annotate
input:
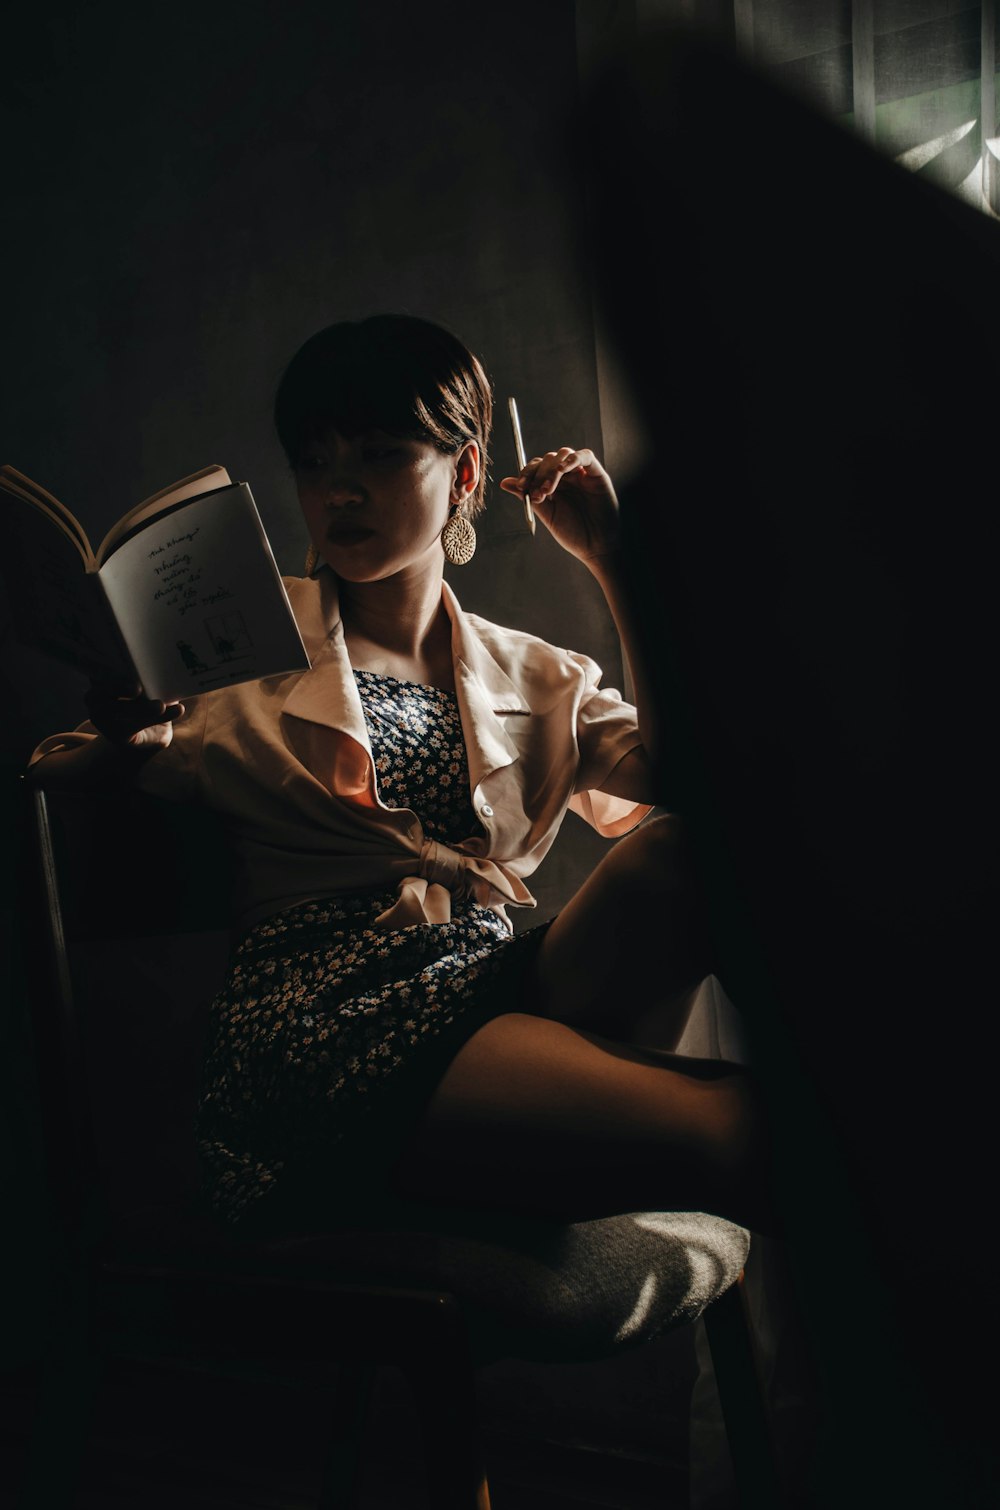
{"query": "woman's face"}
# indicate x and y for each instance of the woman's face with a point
(377, 504)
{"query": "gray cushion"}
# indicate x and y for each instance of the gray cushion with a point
(544, 1290)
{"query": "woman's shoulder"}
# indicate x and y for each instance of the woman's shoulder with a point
(505, 639)
(315, 605)
(302, 591)
(298, 584)
(528, 659)
(492, 633)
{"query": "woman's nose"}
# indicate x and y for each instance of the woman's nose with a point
(343, 488)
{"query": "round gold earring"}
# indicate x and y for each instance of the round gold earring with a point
(312, 561)
(458, 538)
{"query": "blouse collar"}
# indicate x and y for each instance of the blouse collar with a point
(327, 694)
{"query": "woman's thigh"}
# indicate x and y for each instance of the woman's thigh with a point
(538, 1116)
(631, 944)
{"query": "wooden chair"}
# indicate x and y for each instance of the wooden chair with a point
(126, 936)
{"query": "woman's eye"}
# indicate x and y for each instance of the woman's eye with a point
(312, 463)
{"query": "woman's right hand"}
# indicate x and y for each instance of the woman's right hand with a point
(126, 719)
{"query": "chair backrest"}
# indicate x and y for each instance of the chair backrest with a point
(127, 933)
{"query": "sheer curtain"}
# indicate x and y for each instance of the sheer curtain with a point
(917, 78)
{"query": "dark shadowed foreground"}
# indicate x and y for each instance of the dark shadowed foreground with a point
(807, 351)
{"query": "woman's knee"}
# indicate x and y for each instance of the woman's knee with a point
(538, 1115)
(656, 860)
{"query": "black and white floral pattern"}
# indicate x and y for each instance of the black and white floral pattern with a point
(320, 1010)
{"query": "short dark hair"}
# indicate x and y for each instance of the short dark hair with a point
(396, 373)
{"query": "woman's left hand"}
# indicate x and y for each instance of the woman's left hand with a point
(573, 497)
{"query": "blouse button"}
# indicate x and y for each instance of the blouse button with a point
(486, 810)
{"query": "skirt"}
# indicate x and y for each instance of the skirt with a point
(325, 1045)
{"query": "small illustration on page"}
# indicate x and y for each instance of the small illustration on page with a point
(192, 660)
(229, 635)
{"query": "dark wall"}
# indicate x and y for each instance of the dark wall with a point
(189, 193)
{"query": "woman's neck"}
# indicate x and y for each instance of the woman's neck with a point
(399, 627)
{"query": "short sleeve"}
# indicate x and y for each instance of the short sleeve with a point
(607, 728)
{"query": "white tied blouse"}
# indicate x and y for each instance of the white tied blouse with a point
(287, 761)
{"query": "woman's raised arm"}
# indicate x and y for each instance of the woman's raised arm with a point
(574, 497)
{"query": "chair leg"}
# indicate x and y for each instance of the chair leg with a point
(64, 1414)
(743, 1397)
(444, 1396)
(342, 1472)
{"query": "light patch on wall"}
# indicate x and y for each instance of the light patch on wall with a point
(950, 159)
(981, 187)
(918, 157)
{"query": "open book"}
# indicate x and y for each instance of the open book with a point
(183, 594)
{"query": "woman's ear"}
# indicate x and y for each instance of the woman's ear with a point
(467, 471)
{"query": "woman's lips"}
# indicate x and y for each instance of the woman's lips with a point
(348, 534)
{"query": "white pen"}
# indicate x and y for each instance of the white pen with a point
(515, 425)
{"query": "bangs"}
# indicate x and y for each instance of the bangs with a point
(357, 400)
(395, 373)
(355, 378)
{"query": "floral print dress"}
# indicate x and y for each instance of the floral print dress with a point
(329, 1034)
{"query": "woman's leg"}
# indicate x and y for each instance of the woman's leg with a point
(626, 954)
(542, 1117)
(557, 1112)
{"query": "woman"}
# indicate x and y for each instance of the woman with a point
(380, 1026)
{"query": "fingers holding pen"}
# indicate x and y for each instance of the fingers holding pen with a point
(540, 476)
(549, 470)
(574, 498)
(572, 470)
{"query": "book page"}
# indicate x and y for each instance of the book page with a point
(200, 600)
(188, 487)
(16, 485)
